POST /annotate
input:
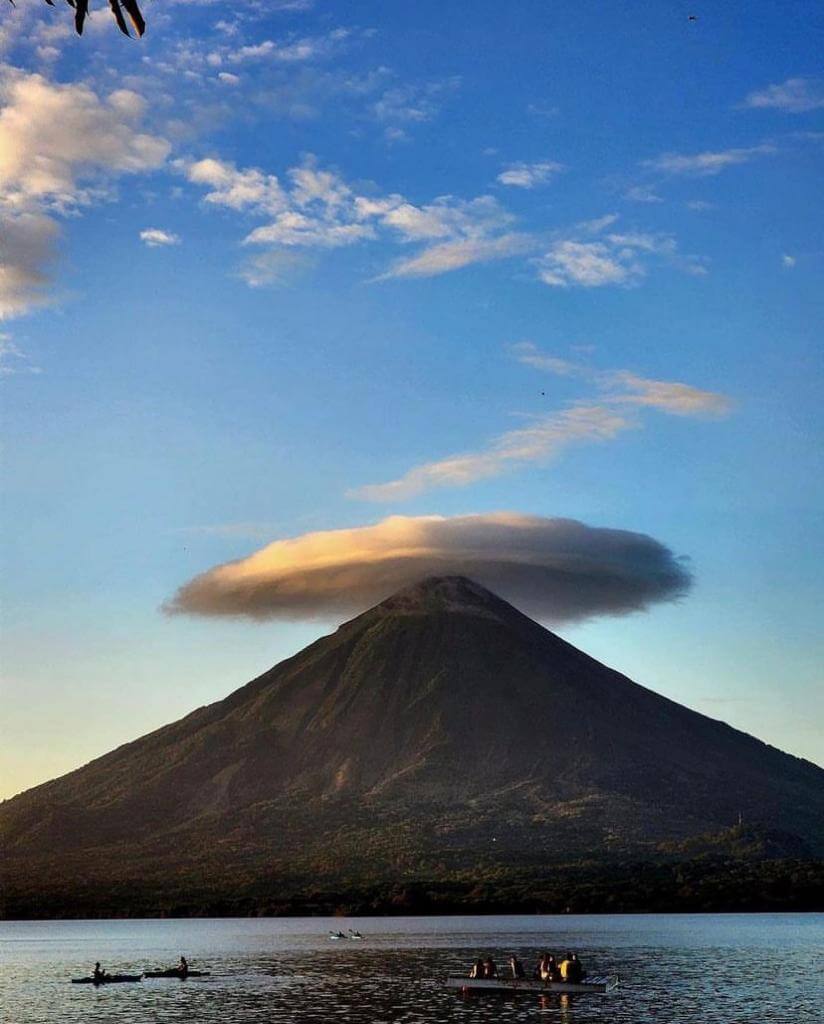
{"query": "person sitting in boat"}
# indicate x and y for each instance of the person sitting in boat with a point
(477, 969)
(547, 968)
(517, 968)
(98, 973)
(184, 966)
(571, 969)
(490, 970)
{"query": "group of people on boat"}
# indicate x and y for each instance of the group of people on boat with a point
(548, 969)
(569, 969)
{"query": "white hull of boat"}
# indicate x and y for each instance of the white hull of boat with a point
(598, 985)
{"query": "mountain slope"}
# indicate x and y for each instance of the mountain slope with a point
(439, 722)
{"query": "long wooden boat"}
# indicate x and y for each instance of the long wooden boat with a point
(109, 979)
(600, 984)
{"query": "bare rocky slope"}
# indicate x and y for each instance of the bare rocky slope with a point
(441, 738)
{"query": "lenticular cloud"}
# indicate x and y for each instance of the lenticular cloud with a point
(556, 570)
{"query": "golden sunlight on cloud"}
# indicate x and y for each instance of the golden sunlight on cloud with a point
(557, 570)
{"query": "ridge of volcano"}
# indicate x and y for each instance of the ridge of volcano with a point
(441, 728)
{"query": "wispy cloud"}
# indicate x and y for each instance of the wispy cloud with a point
(13, 360)
(156, 237)
(402, 105)
(623, 387)
(316, 208)
(591, 257)
(796, 96)
(292, 51)
(522, 175)
(642, 194)
(539, 442)
(559, 570)
(440, 259)
(623, 395)
(708, 163)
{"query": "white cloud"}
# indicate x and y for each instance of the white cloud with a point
(558, 570)
(707, 163)
(521, 175)
(154, 237)
(60, 145)
(293, 52)
(239, 190)
(440, 259)
(54, 136)
(788, 261)
(642, 194)
(796, 95)
(607, 259)
(271, 268)
(228, 78)
(316, 208)
(588, 264)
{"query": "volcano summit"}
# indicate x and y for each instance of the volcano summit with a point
(440, 750)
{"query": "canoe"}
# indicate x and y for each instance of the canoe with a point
(175, 972)
(111, 979)
(600, 984)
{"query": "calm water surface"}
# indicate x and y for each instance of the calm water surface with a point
(734, 969)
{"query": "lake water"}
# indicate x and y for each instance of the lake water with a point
(700, 969)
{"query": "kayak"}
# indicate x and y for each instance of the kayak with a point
(110, 979)
(175, 972)
(601, 985)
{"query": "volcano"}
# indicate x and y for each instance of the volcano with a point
(439, 741)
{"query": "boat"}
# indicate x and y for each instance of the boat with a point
(336, 935)
(108, 979)
(600, 984)
(175, 972)
(354, 934)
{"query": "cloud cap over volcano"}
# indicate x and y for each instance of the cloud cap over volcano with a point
(556, 570)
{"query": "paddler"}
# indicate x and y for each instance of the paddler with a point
(98, 973)
(184, 967)
(571, 969)
(517, 968)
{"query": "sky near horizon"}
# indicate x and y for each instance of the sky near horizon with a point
(345, 293)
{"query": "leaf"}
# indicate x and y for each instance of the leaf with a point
(81, 9)
(135, 16)
(118, 17)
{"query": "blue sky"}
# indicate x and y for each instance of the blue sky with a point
(300, 267)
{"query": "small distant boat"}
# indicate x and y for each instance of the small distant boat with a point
(600, 985)
(354, 934)
(175, 972)
(108, 979)
(336, 935)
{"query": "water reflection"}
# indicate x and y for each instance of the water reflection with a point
(269, 973)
